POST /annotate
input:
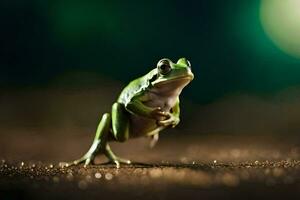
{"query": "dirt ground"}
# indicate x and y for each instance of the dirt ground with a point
(179, 167)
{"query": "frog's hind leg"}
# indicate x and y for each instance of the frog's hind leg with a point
(120, 131)
(99, 142)
(120, 122)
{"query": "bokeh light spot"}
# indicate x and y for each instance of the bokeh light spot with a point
(281, 22)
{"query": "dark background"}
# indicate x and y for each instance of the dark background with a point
(64, 62)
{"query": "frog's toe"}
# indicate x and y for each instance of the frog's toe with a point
(173, 121)
(119, 161)
(124, 161)
(164, 122)
(87, 160)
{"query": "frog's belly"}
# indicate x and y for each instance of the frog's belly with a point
(141, 126)
(166, 100)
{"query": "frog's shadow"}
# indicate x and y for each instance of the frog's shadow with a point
(156, 165)
(131, 165)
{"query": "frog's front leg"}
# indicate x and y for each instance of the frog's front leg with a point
(137, 107)
(173, 118)
(171, 121)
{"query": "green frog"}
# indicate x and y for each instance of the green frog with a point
(146, 106)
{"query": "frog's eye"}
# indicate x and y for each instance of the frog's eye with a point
(164, 67)
(189, 64)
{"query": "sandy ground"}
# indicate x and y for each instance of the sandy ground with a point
(179, 167)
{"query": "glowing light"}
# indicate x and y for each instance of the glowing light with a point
(281, 22)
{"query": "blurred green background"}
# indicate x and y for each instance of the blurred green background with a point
(64, 62)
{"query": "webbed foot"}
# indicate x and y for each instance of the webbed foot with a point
(87, 159)
(115, 159)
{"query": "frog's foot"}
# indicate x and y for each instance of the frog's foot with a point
(118, 161)
(172, 121)
(86, 159)
(115, 159)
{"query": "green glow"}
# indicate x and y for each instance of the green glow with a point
(76, 21)
(281, 22)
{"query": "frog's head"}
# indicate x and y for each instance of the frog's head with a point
(172, 74)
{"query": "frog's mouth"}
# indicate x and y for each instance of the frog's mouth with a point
(179, 80)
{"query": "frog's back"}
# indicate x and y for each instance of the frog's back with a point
(135, 87)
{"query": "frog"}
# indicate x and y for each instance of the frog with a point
(145, 107)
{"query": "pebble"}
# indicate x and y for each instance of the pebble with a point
(108, 176)
(98, 175)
